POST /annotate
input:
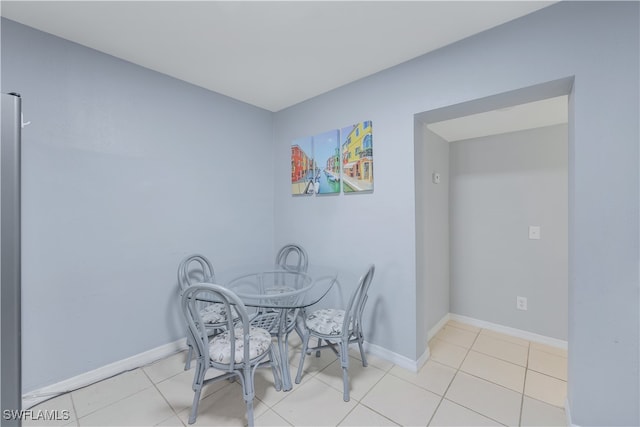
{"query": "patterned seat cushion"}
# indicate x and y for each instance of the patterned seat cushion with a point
(220, 345)
(215, 313)
(327, 321)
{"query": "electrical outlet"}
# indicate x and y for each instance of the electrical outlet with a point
(521, 303)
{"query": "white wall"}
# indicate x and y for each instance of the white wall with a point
(125, 171)
(595, 42)
(500, 185)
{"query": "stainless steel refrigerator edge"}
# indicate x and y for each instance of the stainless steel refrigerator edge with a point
(10, 303)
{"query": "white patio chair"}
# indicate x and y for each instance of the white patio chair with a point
(293, 257)
(197, 268)
(295, 252)
(273, 298)
(339, 328)
(238, 351)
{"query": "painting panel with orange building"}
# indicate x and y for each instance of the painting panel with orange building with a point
(356, 146)
(315, 164)
(302, 166)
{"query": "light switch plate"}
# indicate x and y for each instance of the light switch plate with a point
(534, 232)
(521, 303)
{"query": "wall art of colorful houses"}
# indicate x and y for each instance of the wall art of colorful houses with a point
(327, 162)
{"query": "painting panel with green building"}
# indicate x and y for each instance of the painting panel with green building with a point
(326, 149)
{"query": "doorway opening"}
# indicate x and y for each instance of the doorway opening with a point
(492, 212)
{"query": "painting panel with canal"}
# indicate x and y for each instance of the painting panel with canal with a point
(302, 166)
(356, 143)
(326, 148)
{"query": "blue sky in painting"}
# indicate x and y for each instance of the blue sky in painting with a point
(325, 145)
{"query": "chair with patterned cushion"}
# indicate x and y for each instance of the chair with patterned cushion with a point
(339, 328)
(197, 268)
(237, 351)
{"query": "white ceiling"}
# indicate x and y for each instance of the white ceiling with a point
(269, 54)
(551, 111)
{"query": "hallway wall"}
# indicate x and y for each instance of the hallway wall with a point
(500, 185)
(432, 228)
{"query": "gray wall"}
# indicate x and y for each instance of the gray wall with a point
(432, 228)
(92, 239)
(125, 171)
(500, 185)
(598, 44)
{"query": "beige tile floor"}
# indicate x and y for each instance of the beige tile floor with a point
(475, 377)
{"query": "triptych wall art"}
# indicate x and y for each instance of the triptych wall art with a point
(340, 159)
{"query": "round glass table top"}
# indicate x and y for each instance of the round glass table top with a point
(276, 286)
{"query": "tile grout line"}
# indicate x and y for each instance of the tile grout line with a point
(459, 370)
(369, 391)
(503, 337)
(452, 379)
(502, 358)
(112, 403)
(163, 397)
(358, 401)
(75, 411)
(546, 403)
(529, 347)
(526, 367)
(499, 359)
(545, 375)
(524, 385)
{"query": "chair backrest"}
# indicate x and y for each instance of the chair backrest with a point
(206, 293)
(299, 255)
(186, 273)
(355, 307)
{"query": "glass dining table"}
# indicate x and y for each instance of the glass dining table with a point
(275, 295)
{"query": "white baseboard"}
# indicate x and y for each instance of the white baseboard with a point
(422, 359)
(519, 333)
(395, 358)
(34, 397)
(415, 365)
(567, 413)
(434, 331)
